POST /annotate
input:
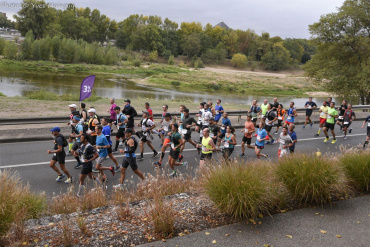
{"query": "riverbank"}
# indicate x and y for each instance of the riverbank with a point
(211, 80)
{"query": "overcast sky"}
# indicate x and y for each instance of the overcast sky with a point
(284, 18)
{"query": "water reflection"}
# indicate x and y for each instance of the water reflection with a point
(119, 86)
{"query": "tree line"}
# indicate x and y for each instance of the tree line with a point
(165, 37)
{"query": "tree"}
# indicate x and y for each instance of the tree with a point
(343, 51)
(239, 60)
(192, 45)
(26, 46)
(295, 49)
(277, 58)
(10, 50)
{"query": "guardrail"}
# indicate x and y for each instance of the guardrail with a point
(62, 119)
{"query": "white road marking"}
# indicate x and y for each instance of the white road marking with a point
(185, 150)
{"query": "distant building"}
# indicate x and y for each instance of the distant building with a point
(4, 14)
(222, 25)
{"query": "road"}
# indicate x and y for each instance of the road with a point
(31, 161)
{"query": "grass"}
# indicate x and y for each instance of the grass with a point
(239, 189)
(311, 179)
(17, 200)
(46, 95)
(2, 95)
(357, 168)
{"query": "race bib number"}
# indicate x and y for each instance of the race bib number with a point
(346, 123)
(254, 118)
(172, 145)
(280, 118)
(222, 128)
(309, 106)
(199, 122)
(184, 131)
(211, 135)
(165, 128)
(289, 117)
(217, 112)
(282, 141)
(203, 148)
(322, 114)
(258, 137)
(55, 154)
(340, 117)
(329, 117)
(226, 145)
(262, 116)
(368, 124)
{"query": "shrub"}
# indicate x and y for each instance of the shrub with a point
(36, 50)
(153, 56)
(357, 168)
(2, 45)
(175, 83)
(309, 178)
(171, 60)
(136, 62)
(240, 190)
(239, 60)
(26, 46)
(10, 50)
(17, 199)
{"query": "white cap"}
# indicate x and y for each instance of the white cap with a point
(73, 105)
(91, 110)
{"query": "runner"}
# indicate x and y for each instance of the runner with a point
(293, 135)
(79, 130)
(130, 113)
(219, 110)
(280, 115)
(348, 116)
(323, 115)
(129, 159)
(330, 122)
(112, 112)
(59, 155)
(248, 131)
(328, 101)
(211, 109)
(341, 109)
(205, 123)
(179, 122)
(146, 125)
(84, 116)
(310, 106)
(255, 110)
(260, 142)
(187, 123)
(367, 121)
(285, 142)
(176, 145)
(87, 153)
(229, 142)
(148, 109)
(74, 112)
(225, 122)
(291, 114)
(93, 122)
(165, 131)
(275, 105)
(208, 147)
(102, 146)
(198, 128)
(107, 132)
(121, 125)
(270, 117)
(264, 109)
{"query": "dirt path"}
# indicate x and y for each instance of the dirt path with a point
(258, 73)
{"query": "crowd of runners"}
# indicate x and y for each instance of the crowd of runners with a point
(91, 139)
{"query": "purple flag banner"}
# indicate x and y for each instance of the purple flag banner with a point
(86, 87)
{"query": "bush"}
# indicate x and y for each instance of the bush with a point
(171, 60)
(309, 178)
(136, 62)
(357, 169)
(175, 83)
(240, 190)
(153, 56)
(26, 46)
(162, 217)
(239, 60)
(10, 50)
(2, 45)
(16, 199)
(36, 50)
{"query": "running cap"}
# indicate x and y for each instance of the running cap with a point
(146, 112)
(73, 105)
(77, 118)
(167, 114)
(128, 101)
(55, 129)
(91, 110)
(128, 130)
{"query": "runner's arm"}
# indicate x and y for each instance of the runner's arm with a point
(96, 155)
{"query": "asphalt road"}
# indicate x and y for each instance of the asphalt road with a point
(31, 161)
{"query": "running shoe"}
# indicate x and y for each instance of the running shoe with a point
(68, 180)
(155, 155)
(266, 156)
(95, 171)
(303, 127)
(326, 139)
(160, 146)
(78, 165)
(104, 179)
(115, 151)
(350, 130)
(117, 168)
(157, 165)
(118, 187)
(311, 124)
(69, 153)
(334, 141)
(60, 178)
(173, 174)
(140, 158)
(317, 135)
(181, 157)
(242, 155)
(105, 187)
(186, 165)
(275, 133)
(111, 169)
(344, 137)
(272, 141)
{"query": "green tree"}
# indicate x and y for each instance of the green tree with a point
(2, 45)
(36, 50)
(10, 50)
(55, 46)
(192, 45)
(239, 60)
(45, 48)
(277, 58)
(295, 49)
(343, 51)
(26, 46)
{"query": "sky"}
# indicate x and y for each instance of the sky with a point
(284, 18)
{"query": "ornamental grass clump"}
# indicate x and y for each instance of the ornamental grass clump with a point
(240, 189)
(356, 166)
(311, 179)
